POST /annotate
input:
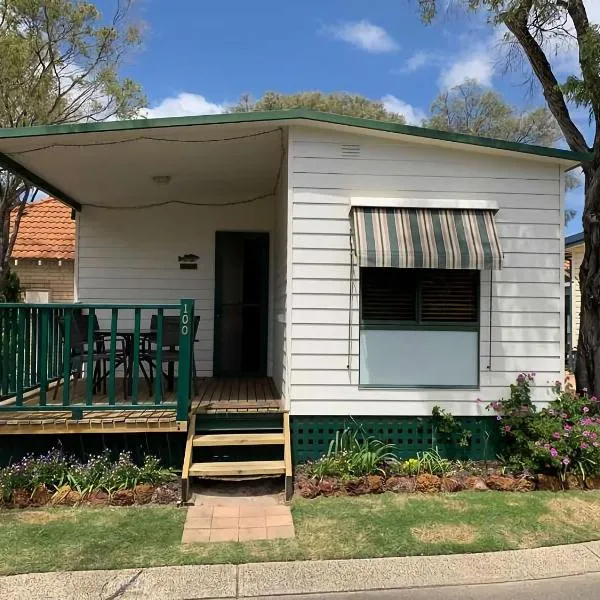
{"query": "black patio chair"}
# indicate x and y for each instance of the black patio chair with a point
(78, 353)
(170, 348)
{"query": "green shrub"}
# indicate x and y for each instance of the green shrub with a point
(352, 454)
(431, 462)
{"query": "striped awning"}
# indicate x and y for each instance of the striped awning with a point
(423, 238)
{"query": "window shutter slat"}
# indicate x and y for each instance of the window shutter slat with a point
(450, 295)
(388, 294)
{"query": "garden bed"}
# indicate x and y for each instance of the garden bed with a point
(57, 479)
(552, 449)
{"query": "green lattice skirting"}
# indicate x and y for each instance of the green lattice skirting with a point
(311, 436)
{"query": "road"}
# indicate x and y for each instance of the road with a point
(583, 587)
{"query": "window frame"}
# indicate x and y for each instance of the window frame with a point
(419, 325)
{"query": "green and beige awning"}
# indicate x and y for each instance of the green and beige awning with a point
(425, 238)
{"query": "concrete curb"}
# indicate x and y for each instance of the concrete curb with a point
(309, 577)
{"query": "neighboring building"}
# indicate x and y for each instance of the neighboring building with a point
(574, 250)
(370, 270)
(44, 253)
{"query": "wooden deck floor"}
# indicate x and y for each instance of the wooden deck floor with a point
(236, 395)
(215, 395)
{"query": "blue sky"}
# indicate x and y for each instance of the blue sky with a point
(199, 56)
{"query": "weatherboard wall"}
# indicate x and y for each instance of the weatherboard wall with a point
(326, 170)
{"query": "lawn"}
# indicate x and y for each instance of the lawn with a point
(367, 526)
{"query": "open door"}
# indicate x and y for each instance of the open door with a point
(241, 304)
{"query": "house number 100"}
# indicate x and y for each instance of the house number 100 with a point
(185, 319)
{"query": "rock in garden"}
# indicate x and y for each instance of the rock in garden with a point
(20, 498)
(41, 496)
(451, 485)
(475, 483)
(143, 493)
(500, 483)
(592, 483)
(329, 486)
(428, 484)
(572, 482)
(548, 483)
(98, 498)
(165, 494)
(400, 484)
(522, 484)
(357, 487)
(307, 489)
(122, 498)
(375, 484)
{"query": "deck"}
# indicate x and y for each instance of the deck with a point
(214, 395)
(236, 395)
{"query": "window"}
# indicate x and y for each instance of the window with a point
(419, 328)
(37, 296)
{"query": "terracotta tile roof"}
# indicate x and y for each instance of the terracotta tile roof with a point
(46, 231)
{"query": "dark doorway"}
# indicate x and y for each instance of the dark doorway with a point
(241, 303)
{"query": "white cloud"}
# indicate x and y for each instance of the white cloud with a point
(413, 114)
(417, 61)
(182, 105)
(364, 35)
(479, 67)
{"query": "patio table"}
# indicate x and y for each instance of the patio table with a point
(128, 336)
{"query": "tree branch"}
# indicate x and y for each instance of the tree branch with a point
(517, 23)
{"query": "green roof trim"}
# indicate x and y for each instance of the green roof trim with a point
(295, 114)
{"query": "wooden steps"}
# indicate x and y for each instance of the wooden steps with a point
(245, 468)
(243, 435)
(239, 439)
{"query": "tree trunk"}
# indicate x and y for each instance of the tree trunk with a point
(587, 367)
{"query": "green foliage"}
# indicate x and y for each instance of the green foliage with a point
(563, 438)
(352, 454)
(56, 469)
(411, 466)
(59, 63)
(431, 462)
(11, 291)
(447, 429)
(341, 103)
(471, 109)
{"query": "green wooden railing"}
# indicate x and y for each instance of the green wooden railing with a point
(96, 356)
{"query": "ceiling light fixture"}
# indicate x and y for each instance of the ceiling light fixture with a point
(161, 179)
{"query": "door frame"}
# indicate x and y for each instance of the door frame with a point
(264, 312)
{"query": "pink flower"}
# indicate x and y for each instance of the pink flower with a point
(506, 428)
(568, 427)
(584, 446)
(553, 452)
(498, 418)
(566, 460)
(556, 435)
(586, 409)
(587, 433)
(593, 435)
(595, 444)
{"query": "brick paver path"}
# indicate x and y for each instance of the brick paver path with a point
(233, 523)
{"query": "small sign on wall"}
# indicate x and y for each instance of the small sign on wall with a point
(188, 261)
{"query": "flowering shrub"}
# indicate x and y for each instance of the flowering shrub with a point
(56, 469)
(563, 438)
